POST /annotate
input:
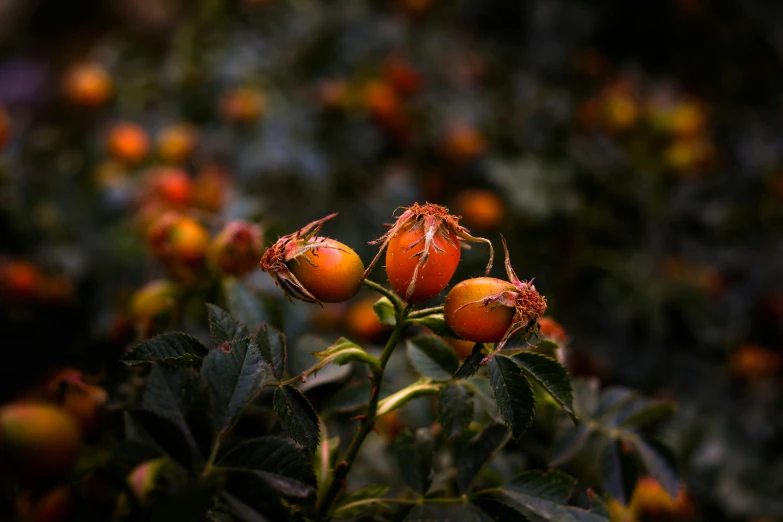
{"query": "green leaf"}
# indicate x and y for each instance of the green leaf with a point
(344, 352)
(455, 408)
(165, 395)
(437, 323)
(235, 373)
(551, 375)
(272, 455)
(659, 461)
(432, 357)
(242, 510)
(223, 327)
(547, 347)
(478, 452)
(415, 455)
(648, 414)
(271, 345)
(361, 500)
(187, 360)
(472, 362)
(571, 443)
(297, 417)
(190, 502)
(349, 398)
(448, 512)
(513, 394)
(242, 304)
(541, 496)
(610, 469)
(170, 345)
(384, 309)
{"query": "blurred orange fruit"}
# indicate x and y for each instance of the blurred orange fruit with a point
(19, 279)
(5, 128)
(88, 84)
(689, 156)
(128, 143)
(38, 442)
(462, 347)
(54, 506)
(753, 362)
(243, 105)
(402, 76)
(176, 143)
(551, 329)
(482, 209)
(211, 188)
(362, 322)
(170, 187)
(620, 111)
(464, 143)
(649, 498)
(151, 300)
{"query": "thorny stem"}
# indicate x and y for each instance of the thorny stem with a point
(368, 422)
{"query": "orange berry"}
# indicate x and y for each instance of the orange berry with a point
(390, 425)
(687, 119)
(236, 250)
(753, 362)
(38, 442)
(550, 329)
(19, 279)
(649, 498)
(82, 400)
(211, 188)
(620, 111)
(5, 128)
(176, 143)
(482, 209)
(402, 76)
(57, 289)
(170, 187)
(361, 320)
(152, 299)
(689, 156)
(55, 506)
(464, 143)
(381, 101)
(243, 105)
(127, 142)
(144, 477)
(88, 85)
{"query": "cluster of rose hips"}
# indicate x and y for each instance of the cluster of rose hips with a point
(422, 253)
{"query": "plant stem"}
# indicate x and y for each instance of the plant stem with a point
(344, 467)
(214, 453)
(391, 296)
(405, 395)
(426, 311)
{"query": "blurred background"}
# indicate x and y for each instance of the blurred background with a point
(630, 152)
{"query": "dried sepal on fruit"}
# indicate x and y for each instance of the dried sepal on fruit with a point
(313, 269)
(423, 232)
(524, 299)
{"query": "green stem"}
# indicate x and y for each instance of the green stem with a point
(426, 311)
(214, 453)
(391, 296)
(405, 395)
(368, 422)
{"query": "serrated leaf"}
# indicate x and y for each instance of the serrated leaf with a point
(478, 452)
(648, 414)
(551, 375)
(297, 417)
(659, 461)
(542, 497)
(472, 362)
(513, 394)
(273, 456)
(449, 512)
(547, 347)
(361, 500)
(384, 309)
(415, 454)
(187, 360)
(242, 304)
(344, 352)
(455, 408)
(437, 323)
(432, 357)
(165, 394)
(170, 345)
(271, 345)
(235, 374)
(223, 327)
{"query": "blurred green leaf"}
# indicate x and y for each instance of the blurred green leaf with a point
(297, 417)
(432, 357)
(361, 500)
(455, 408)
(472, 362)
(244, 306)
(384, 309)
(344, 352)
(436, 323)
(659, 461)
(415, 454)
(478, 452)
(451, 512)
